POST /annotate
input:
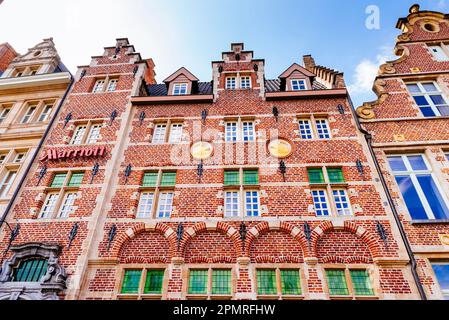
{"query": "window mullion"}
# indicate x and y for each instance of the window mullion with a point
(167, 131)
(313, 127)
(57, 208)
(155, 207)
(142, 282)
(349, 283)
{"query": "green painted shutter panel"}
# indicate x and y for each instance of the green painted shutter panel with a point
(31, 270)
(336, 281)
(250, 177)
(232, 178)
(336, 175)
(316, 175)
(168, 179)
(76, 179)
(221, 282)
(361, 283)
(58, 180)
(290, 280)
(131, 281)
(153, 283)
(266, 282)
(149, 179)
(198, 282)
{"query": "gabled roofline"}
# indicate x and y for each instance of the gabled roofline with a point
(297, 67)
(181, 70)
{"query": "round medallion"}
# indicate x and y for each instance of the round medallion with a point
(280, 148)
(444, 239)
(202, 150)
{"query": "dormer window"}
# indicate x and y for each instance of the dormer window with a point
(298, 84)
(179, 89)
(231, 83)
(245, 82)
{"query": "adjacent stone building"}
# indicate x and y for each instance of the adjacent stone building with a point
(235, 188)
(409, 130)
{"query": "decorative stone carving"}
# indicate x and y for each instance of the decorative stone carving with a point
(366, 111)
(52, 283)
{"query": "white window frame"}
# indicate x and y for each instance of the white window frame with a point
(427, 94)
(444, 293)
(442, 53)
(239, 132)
(112, 85)
(94, 133)
(20, 157)
(7, 182)
(245, 209)
(297, 83)
(180, 89)
(413, 173)
(233, 195)
(321, 136)
(176, 133)
(27, 117)
(67, 206)
(99, 86)
(305, 125)
(166, 203)
(78, 135)
(231, 83)
(315, 204)
(245, 82)
(45, 113)
(146, 205)
(4, 114)
(346, 212)
(159, 133)
(313, 124)
(44, 213)
(90, 134)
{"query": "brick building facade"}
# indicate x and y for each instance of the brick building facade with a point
(409, 132)
(237, 188)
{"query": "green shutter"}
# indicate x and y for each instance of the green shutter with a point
(168, 179)
(316, 175)
(149, 179)
(131, 281)
(31, 270)
(336, 175)
(58, 180)
(336, 281)
(250, 177)
(232, 178)
(198, 282)
(266, 282)
(76, 179)
(290, 280)
(361, 283)
(153, 283)
(221, 282)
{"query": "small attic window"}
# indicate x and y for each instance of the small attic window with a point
(37, 53)
(298, 84)
(179, 89)
(430, 27)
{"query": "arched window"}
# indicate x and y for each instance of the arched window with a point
(30, 270)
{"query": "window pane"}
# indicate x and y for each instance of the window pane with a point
(231, 178)
(231, 204)
(248, 131)
(94, 134)
(335, 175)
(175, 133)
(361, 283)
(251, 177)
(417, 162)
(231, 132)
(149, 179)
(76, 179)
(316, 175)
(305, 129)
(266, 282)
(198, 282)
(444, 110)
(421, 101)
(323, 130)
(165, 205)
(336, 281)
(341, 200)
(131, 281)
(397, 164)
(427, 112)
(433, 196)
(58, 180)
(221, 282)
(168, 179)
(145, 205)
(429, 87)
(252, 203)
(442, 274)
(437, 99)
(320, 202)
(290, 281)
(67, 205)
(413, 88)
(31, 270)
(411, 198)
(153, 282)
(159, 133)
(49, 205)
(79, 134)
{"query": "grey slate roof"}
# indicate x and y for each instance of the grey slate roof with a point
(161, 89)
(275, 84)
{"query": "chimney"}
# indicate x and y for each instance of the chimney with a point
(309, 62)
(149, 73)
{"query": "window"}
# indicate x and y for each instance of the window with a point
(99, 86)
(420, 190)
(210, 282)
(179, 89)
(344, 282)
(298, 85)
(331, 178)
(286, 282)
(429, 99)
(87, 134)
(231, 83)
(232, 198)
(240, 130)
(157, 187)
(30, 270)
(320, 129)
(441, 270)
(61, 196)
(7, 182)
(141, 283)
(112, 85)
(3, 114)
(168, 132)
(3, 156)
(439, 52)
(19, 157)
(28, 115)
(46, 112)
(245, 82)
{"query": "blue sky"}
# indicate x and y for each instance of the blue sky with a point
(192, 33)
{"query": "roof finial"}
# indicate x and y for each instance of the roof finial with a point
(414, 8)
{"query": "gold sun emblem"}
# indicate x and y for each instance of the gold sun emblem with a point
(280, 148)
(202, 150)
